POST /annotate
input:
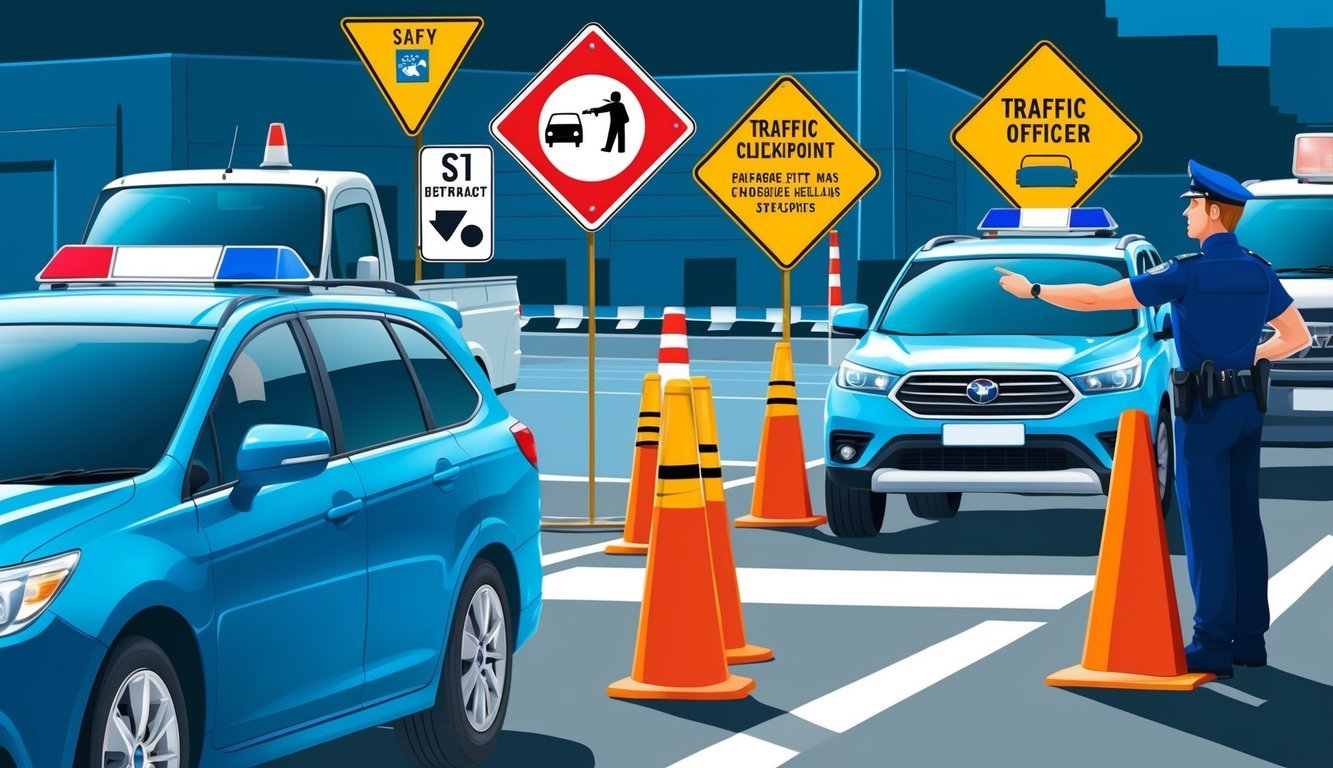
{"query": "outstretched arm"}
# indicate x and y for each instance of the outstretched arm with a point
(1077, 296)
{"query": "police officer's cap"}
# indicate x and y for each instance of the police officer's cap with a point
(1215, 185)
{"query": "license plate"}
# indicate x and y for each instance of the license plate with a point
(984, 434)
(1312, 399)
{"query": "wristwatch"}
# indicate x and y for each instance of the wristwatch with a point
(1036, 290)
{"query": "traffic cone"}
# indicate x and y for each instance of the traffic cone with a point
(673, 351)
(679, 653)
(719, 538)
(781, 491)
(639, 509)
(1134, 638)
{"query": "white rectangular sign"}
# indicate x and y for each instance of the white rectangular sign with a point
(1312, 399)
(457, 197)
(983, 434)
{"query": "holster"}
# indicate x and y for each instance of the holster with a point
(1183, 386)
(1207, 381)
(1263, 374)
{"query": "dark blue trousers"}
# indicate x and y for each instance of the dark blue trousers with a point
(1217, 482)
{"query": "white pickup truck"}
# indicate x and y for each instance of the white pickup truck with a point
(331, 218)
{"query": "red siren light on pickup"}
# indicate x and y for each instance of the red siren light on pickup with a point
(1312, 157)
(275, 148)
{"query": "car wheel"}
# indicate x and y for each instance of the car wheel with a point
(852, 512)
(464, 725)
(482, 366)
(138, 715)
(1164, 446)
(934, 506)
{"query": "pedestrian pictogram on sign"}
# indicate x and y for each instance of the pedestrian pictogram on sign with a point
(1045, 136)
(786, 172)
(457, 203)
(412, 58)
(592, 127)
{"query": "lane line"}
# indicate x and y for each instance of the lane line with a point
(1287, 586)
(871, 589)
(582, 479)
(1235, 693)
(811, 464)
(741, 749)
(637, 394)
(853, 704)
(738, 463)
(577, 552)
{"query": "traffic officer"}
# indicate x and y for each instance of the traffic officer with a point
(1220, 299)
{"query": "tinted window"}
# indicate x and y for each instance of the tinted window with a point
(371, 386)
(1290, 232)
(268, 383)
(213, 214)
(353, 237)
(448, 391)
(92, 397)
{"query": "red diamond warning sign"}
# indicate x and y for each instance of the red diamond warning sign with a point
(592, 127)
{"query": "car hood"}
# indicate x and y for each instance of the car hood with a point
(1067, 354)
(31, 515)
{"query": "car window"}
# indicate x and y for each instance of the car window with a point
(268, 382)
(353, 237)
(451, 397)
(376, 399)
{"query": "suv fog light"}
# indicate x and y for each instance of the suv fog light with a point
(847, 452)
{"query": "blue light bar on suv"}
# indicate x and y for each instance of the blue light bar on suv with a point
(1047, 220)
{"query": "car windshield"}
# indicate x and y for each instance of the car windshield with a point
(213, 214)
(564, 118)
(962, 297)
(1291, 232)
(90, 403)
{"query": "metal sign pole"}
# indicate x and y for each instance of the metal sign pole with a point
(592, 381)
(416, 174)
(786, 306)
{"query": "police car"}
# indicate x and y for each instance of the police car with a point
(248, 515)
(957, 387)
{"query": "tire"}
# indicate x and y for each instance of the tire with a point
(1164, 445)
(484, 372)
(852, 513)
(132, 663)
(934, 506)
(452, 734)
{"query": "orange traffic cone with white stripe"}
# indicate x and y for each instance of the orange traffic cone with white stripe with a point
(673, 351)
(719, 537)
(643, 473)
(1133, 638)
(781, 490)
(679, 653)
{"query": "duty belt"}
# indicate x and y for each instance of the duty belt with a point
(1208, 385)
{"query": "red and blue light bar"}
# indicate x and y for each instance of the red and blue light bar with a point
(174, 264)
(1038, 220)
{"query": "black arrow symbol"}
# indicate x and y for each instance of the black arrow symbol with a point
(446, 222)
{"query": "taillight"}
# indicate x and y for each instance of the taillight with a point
(526, 442)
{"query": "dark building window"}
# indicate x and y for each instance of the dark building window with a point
(710, 282)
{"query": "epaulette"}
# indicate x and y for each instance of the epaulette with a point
(1186, 256)
(1260, 258)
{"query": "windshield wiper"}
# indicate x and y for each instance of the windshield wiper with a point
(1319, 269)
(76, 476)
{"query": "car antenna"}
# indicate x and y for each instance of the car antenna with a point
(235, 132)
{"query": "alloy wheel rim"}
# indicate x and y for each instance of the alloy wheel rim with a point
(141, 729)
(1163, 458)
(485, 654)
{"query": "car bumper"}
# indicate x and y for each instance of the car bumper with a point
(1064, 482)
(49, 670)
(528, 561)
(1300, 410)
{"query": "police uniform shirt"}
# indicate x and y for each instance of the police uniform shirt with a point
(1220, 300)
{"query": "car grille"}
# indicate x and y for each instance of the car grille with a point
(988, 459)
(1020, 395)
(1321, 340)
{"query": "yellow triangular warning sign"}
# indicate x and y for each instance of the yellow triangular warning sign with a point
(412, 58)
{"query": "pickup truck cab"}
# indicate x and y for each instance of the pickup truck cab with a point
(332, 219)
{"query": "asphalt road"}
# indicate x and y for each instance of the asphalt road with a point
(925, 646)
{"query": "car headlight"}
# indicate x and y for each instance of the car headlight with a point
(858, 379)
(1114, 379)
(549, 134)
(26, 590)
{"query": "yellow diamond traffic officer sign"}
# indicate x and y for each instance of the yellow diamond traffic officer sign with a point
(412, 59)
(1045, 136)
(786, 172)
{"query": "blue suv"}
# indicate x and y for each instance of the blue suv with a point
(238, 521)
(955, 386)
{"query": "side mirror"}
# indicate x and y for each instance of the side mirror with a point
(272, 454)
(851, 320)
(1165, 331)
(368, 268)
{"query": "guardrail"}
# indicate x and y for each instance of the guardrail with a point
(734, 321)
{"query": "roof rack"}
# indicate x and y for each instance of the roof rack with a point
(1127, 239)
(944, 239)
(396, 289)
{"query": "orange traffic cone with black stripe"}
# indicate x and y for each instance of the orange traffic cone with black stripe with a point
(1133, 638)
(781, 490)
(679, 653)
(719, 537)
(642, 476)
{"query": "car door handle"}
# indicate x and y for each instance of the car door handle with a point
(342, 512)
(446, 475)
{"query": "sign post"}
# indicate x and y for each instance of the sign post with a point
(412, 59)
(591, 128)
(786, 172)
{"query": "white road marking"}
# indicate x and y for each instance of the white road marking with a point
(741, 749)
(738, 463)
(853, 704)
(584, 392)
(582, 479)
(738, 482)
(1287, 586)
(574, 553)
(1235, 693)
(878, 589)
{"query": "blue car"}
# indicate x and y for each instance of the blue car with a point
(956, 386)
(242, 518)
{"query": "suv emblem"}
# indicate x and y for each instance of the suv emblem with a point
(982, 391)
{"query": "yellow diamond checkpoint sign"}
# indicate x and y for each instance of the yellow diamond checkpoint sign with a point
(412, 58)
(1045, 136)
(786, 172)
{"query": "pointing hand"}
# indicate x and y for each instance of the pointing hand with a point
(1015, 283)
